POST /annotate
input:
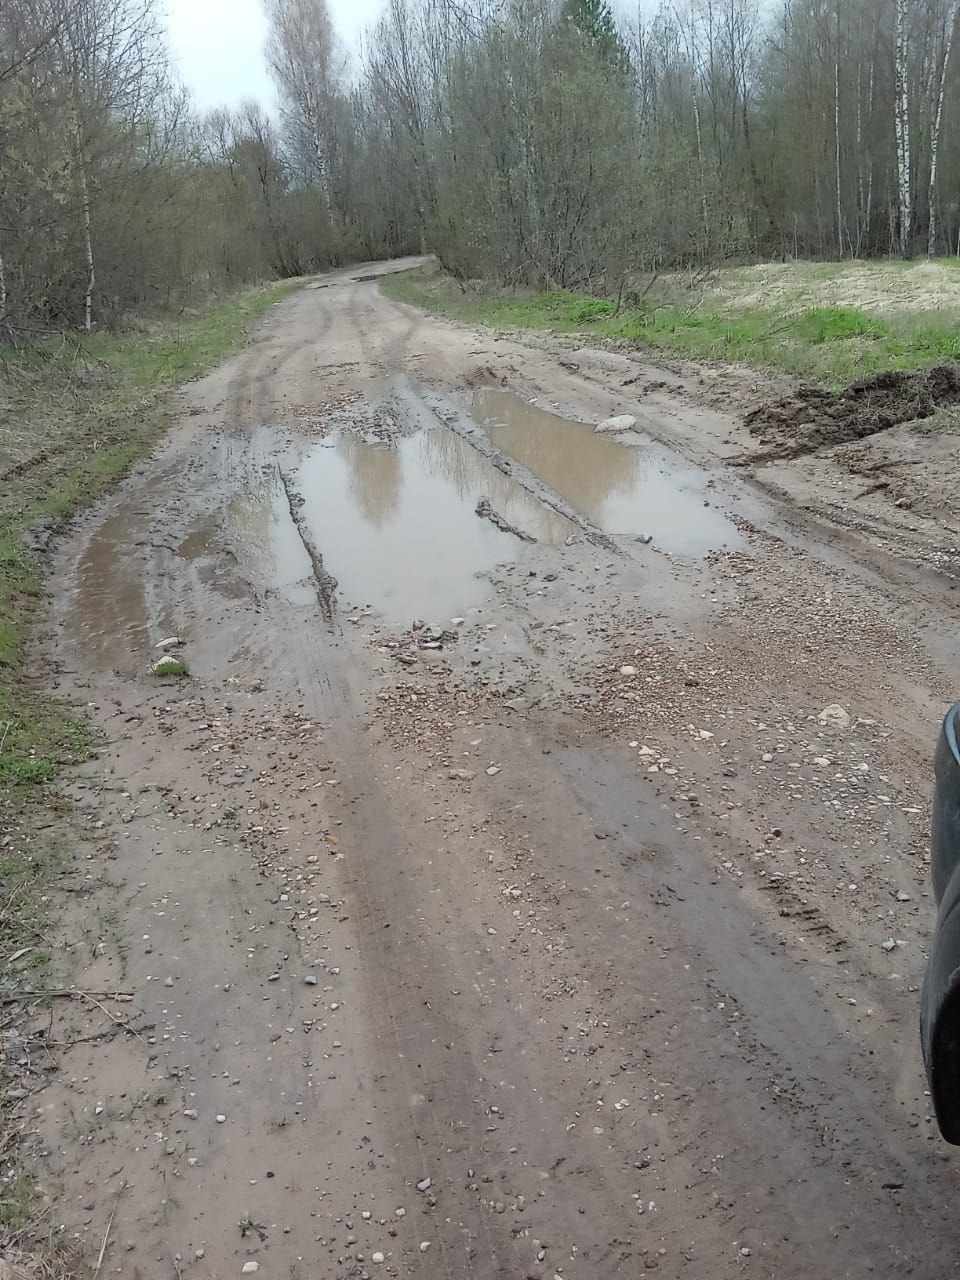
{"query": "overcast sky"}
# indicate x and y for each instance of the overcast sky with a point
(218, 45)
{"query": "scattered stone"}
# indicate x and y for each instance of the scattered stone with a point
(835, 717)
(190, 1113)
(249, 1268)
(424, 1184)
(377, 1257)
(493, 771)
(221, 1119)
(613, 426)
(425, 1245)
(310, 979)
(171, 642)
(627, 670)
(461, 775)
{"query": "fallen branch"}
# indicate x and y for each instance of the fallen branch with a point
(65, 994)
(119, 1023)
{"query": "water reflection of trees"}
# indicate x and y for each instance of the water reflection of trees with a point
(448, 455)
(376, 478)
(570, 457)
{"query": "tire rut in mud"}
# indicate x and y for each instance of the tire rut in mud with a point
(812, 418)
(326, 582)
(486, 512)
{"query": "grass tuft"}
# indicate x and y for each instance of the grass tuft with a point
(169, 667)
(776, 316)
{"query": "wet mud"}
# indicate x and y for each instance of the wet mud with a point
(812, 418)
(487, 907)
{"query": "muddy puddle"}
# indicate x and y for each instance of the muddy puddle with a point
(397, 525)
(621, 488)
(263, 542)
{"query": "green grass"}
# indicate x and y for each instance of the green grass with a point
(832, 343)
(18, 1204)
(167, 667)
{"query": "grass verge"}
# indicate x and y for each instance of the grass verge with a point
(74, 416)
(787, 322)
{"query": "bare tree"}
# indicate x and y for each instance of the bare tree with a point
(902, 128)
(937, 120)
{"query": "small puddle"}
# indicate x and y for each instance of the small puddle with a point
(110, 609)
(622, 489)
(267, 545)
(397, 525)
(267, 548)
(198, 543)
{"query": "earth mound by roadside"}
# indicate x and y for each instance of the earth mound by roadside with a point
(811, 418)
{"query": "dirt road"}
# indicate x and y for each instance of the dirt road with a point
(495, 905)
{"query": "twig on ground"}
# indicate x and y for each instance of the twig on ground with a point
(106, 1234)
(66, 993)
(117, 1022)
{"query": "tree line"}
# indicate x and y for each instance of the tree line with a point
(534, 142)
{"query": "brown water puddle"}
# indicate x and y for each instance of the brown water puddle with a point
(397, 525)
(264, 542)
(621, 488)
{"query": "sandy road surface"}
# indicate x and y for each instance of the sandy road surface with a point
(555, 937)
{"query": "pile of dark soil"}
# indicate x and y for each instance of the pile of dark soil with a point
(812, 418)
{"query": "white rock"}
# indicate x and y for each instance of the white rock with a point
(377, 1257)
(249, 1268)
(171, 642)
(424, 1184)
(835, 716)
(628, 671)
(612, 426)
(424, 1245)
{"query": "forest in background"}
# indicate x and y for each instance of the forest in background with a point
(529, 142)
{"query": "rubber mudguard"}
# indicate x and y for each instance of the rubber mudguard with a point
(940, 997)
